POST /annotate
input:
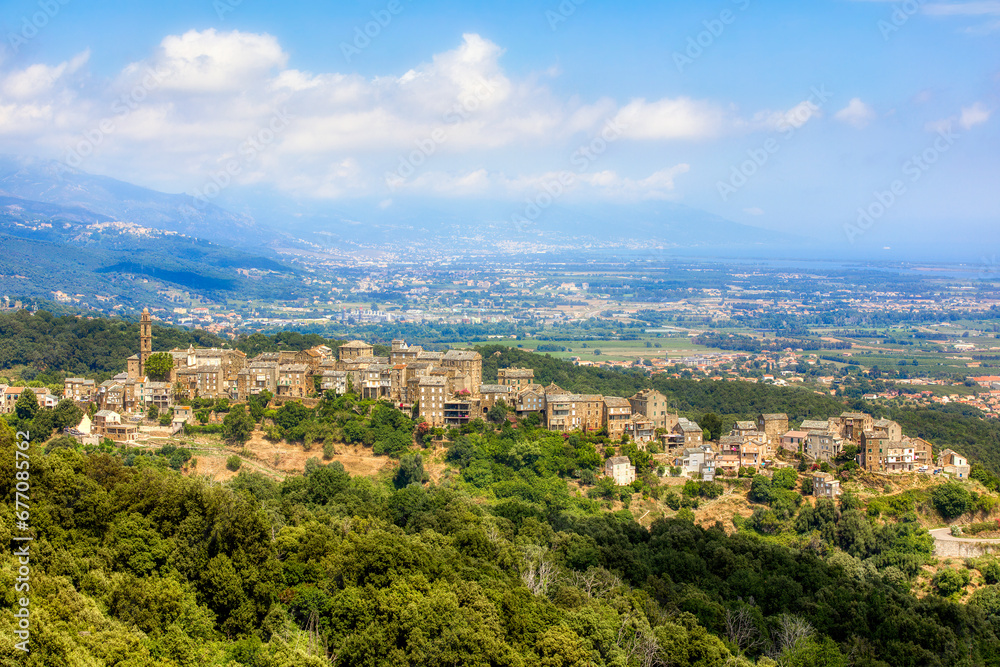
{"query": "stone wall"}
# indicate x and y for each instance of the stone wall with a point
(963, 548)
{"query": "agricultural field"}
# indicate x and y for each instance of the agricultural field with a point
(648, 346)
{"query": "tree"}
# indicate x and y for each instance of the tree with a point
(26, 406)
(258, 404)
(849, 453)
(159, 365)
(498, 413)
(760, 489)
(238, 425)
(66, 414)
(786, 478)
(411, 470)
(153, 412)
(948, 582)
(713, 424)
(951, 500)
(291, 414)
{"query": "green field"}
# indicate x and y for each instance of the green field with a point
(610, 350)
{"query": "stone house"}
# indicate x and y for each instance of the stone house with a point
(620, 469)
(617, 412)
(653, 405)
(518, 378)
(825, 485)
(953, 463)
(822, 446)
(773, 426)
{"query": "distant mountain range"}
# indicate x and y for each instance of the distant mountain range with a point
(488, 224)
(453, 224)
(91, 236)
(53, 183)
(66, 230)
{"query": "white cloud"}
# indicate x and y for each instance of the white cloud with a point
(39, 79)
(213, 62)
(679, 118)
(977, 114)
(856, 113)
(658, 185)
(177, 117)
(974, 115)
(782, 121)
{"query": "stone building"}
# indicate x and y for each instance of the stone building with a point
(431, 394)
(825, 485)
(873, 450)
(465, 368)
(518, 378)
(653, 405)
(620, 469)
(890, 428)
(822, 446)
(617, 412)
(852, 425)
(793, 441)
(294, 380)
(746, 429)
(136, 364)
(211, 372)
(259, 376)
(572, 412)
(773, 426)
(355, 349)
(953, 463)
(79, 390)
(641, 430)
(691, 435)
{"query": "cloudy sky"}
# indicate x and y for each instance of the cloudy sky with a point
(787, 115)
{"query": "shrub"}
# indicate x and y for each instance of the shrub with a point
(179, 458)
(991, 571)
(949, 582)
(786, 478)
(982, 526)
(951, 500)
(672, 500)
(233, 463)
(764, 521)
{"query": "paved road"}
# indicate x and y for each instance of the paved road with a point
(948, 546)
(944, 535)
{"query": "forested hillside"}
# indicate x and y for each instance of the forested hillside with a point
(135, 564)
(49, 343)
(56, 346)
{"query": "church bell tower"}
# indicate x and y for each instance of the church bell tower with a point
(145, 340)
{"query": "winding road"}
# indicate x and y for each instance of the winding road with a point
(946, 544)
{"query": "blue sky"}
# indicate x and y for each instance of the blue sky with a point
(822, 106)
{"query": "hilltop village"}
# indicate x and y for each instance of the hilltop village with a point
(446, 390)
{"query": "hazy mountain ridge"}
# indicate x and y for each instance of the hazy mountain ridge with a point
(51, 182)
